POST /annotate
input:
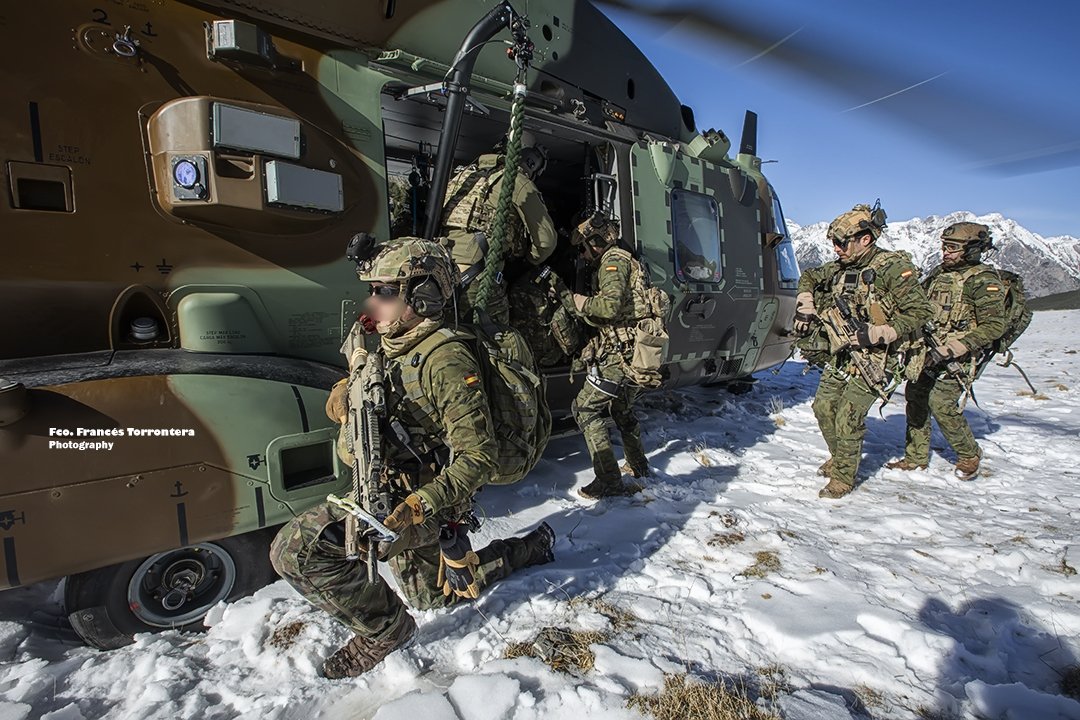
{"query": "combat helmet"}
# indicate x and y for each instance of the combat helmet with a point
(423, 270)
(596, 232)
(860, 219)
(973, 237)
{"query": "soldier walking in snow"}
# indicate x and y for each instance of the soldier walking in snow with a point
(969, 315)
(857, 311)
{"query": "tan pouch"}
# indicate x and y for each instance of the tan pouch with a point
(650, 342)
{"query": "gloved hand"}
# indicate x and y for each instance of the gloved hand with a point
(335, 404)
(408, 513)
(458, 564)
(805, 313)
(874, 335)
(579, 301)
(952, 349)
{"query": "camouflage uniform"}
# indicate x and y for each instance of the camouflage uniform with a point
(549, 325)
(969, 307)
(608, 395)
(892, 299)
(448, 423)
(471, 204)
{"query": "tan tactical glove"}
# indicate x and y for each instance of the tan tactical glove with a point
(953, 349)
(459, 576)
(408, 513)
(805, 313)
(335, 404)
(874, 335)
(458, 565)
(579, 301)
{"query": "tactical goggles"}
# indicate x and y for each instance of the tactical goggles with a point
(384, 292)
(951, 247)
(842, 243)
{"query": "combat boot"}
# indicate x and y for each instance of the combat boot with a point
(967, 468)
(904, 464)
(539, 544)
(634, 471)
(835, 489)
(362, 654)
(608, 488)
(825, 468)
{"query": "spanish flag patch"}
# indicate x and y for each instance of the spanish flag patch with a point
(611, 268)
(471, 380)
(906, 273)
(992, 288)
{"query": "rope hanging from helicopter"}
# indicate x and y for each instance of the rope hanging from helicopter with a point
(521, 52)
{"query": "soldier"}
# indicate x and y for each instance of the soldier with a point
(472, 200)
(884, 306)
(615, 377)
(446, 453)
(969, 315)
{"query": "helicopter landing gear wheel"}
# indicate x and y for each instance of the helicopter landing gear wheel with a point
(168, 590)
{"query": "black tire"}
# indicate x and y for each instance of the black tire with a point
(172, 590)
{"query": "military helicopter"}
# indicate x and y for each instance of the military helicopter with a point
(178, 199)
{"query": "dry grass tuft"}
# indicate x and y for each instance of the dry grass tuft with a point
(726, 539)
(1063, 567)
(683, 698)
(765, 562)
(1028, 393)
(285, 636)
(773, 682)
(560, 649)
(701, 455)
(871, 698)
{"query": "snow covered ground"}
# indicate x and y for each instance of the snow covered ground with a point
(915, 594)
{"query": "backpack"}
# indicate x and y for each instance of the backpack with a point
(1017, 313)
(513, 385)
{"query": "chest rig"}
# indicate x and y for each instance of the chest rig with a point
(644, 302)
(414, 431)
(952, 313)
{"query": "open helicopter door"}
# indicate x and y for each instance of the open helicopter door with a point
(698, 226)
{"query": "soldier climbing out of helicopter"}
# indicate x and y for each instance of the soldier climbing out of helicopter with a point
(440, 446)
(622, 359)
(968, 299)
(472, 202)
(854, 316)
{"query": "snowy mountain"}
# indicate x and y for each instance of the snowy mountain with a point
(917, 596)
(1048, 265)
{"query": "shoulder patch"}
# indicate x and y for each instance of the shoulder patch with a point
(993, 288)
(907, 273)
(471, 380)
(611, 268)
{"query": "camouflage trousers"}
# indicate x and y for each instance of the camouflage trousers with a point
(939, 397)
(596, 409)
(316, 567)
(841, 405)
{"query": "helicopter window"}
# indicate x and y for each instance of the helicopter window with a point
(787, 263)
(696, 226)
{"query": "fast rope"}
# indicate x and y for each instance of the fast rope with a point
(521, 53)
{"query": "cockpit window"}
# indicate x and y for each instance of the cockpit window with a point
(696, 226)
(787, 263)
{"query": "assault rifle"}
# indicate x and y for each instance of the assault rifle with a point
(848, 329)
(366, 414)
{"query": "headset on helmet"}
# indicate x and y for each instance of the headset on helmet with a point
(422, 268)
(860, 219)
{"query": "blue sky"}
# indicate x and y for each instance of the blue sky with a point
(1008, 84)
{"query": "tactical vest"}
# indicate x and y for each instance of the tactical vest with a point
(859, 287)
(516, 394)
(954, 316)
(470, 208)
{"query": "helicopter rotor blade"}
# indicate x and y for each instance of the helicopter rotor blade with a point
(994, 134)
